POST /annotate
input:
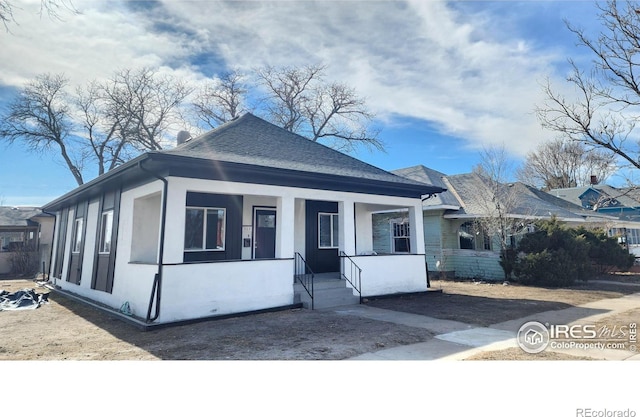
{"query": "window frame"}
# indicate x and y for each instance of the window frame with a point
(223, 229)
(334, 223)
(101, 247)
(78, 224)
(404, 224)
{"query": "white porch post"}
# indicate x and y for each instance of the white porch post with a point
(285, 236)
(416, 224)
(347, 242)
(364, 229)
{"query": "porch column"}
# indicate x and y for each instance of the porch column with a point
(285, 235)
(416, 224)
(364, 229)
(346, 214)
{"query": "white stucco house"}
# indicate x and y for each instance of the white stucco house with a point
(217, 225)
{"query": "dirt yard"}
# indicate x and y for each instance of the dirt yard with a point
(64, 329)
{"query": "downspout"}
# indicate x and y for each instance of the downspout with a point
(156, 290)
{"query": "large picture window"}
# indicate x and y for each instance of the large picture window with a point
(204, 229)
(400, 236)
(106, 231)
(328, 230)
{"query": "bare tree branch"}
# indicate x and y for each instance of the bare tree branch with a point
(40, 118)
(53, 8)
(604, 113)
(564, 164)
(221, 100)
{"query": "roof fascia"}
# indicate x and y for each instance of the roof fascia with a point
(189, 167)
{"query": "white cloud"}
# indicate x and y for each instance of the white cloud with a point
(422, 59)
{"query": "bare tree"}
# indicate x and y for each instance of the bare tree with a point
(498, 203)
(108, 128)
(603, 115)
(299, 101)
(107, 122)
(151, 101)
(41, 118)
(53, 8)
(563, 164)
(222, 99)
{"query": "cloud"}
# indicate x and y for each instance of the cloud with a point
(423, 59)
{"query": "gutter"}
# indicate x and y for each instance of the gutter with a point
(156, 290)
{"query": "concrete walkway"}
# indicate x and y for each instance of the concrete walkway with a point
(455, 340)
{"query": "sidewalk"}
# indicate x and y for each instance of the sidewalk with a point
(455, 340)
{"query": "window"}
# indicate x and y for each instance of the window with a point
(106, 228)
(400, 236)
(204, 229)
(328, 230)
(486, 240)
(467, 236)
(77, 241)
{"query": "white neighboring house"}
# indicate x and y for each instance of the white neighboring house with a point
(217, 225)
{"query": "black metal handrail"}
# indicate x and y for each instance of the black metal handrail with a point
(304, 275)
(354, 269)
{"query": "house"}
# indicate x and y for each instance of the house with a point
(221, 224)
(26, 233)
(457, 242)
(623, 203)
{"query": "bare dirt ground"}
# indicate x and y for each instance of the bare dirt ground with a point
(65, 329)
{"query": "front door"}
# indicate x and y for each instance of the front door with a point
(321, 234)
(264, 229)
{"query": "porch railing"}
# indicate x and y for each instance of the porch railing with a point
(304, 275)
(351, 272)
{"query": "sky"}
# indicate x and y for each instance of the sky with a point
(446, 79)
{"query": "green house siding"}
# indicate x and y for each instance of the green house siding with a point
(441, 245)
(472, 264)
(433, 225)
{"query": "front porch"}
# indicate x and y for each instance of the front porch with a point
(231, 247)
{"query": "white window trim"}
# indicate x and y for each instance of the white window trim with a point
(101, 242)
(334, 239)
(204, 229)
(393, 237)
(77, 238)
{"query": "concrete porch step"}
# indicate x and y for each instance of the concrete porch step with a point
(329, 291)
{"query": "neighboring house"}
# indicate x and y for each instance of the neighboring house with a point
(216, 225)
(25, 229)
(455, 242)
(623, 203)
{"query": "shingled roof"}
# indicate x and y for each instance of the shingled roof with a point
(16, 217)
(526, 201)
(430, 176)
(251, 150)
(253, 141)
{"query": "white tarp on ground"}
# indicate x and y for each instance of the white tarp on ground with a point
(25, 299)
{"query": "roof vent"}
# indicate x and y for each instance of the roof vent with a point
(183, 136)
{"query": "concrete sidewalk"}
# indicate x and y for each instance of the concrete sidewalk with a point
(455, 340)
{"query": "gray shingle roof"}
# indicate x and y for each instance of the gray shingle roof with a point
(520, 199)
(430, 176)
(18, 216)
(254, 141)
(627, 197)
